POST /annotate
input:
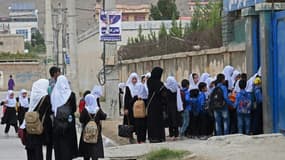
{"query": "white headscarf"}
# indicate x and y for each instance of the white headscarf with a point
(11, 102)
(122, 85)
(24, 102)
(209, 81)
(148, 75)
(228, 72)
(134, 88)
(192, 83)
(39, 90)
(142, 91)
(97, 91)
(204, 77)
(234, 76)
(60, 93)
(91, 104)
(172, 85)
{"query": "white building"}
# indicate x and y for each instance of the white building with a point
(22, 20)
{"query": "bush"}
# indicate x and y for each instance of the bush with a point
(166, 154)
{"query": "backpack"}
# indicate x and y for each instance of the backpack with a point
(34, 124)
(195, 106)
(244, 104)
(139, 110)
(63, 119)
(91, 131)
(217, 100)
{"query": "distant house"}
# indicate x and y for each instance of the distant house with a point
(22, 20)
(130, 12)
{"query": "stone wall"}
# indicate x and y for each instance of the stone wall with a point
(24, 74)
(181, 65)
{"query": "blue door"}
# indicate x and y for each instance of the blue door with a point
(279, 70)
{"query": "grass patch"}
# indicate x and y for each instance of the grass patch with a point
(166, 154)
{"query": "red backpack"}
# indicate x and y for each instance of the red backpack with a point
(81, 105)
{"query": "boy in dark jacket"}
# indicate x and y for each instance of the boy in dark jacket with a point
(185, 94)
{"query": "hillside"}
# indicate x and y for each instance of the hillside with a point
(84, 18)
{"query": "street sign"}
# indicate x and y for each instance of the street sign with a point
(110, 25)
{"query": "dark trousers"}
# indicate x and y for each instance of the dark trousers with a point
(49, 152)
(36, 153)
(257, 120)
(233, 121)
(7, 128)
(140, 126)
(204, 124)
(173, 131)
(194, 124)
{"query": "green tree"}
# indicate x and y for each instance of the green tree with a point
(164, 10)
(176, 30)
(162, 32)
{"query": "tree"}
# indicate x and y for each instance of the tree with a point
(162, 32)
(176, 30)
(164, 10)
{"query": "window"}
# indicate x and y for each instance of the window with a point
(125, 17)
(23, 32)
(1, 43)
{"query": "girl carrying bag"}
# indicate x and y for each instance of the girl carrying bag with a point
(34, 125)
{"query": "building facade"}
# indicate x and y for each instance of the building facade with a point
(22, 20)
(130, 12)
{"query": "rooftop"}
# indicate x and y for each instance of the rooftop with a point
(22, 6)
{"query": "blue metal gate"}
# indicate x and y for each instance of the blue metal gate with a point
(279, 70)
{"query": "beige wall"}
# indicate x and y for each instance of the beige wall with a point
(24, 74)
(12, 43)
(181, 65)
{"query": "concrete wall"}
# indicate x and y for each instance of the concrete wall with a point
(24, 74)
(12, 43)
(181, 65)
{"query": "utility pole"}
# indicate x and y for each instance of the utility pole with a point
(112, 78)
(72, 68)
(48, 36)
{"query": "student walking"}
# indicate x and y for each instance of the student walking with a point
(23, 105)
(174, 106)
(10, 115)
(135, 91)
(219, 102)
(156, 100)
(243, 105)
(63, 102)
(40, 102)
(185, 95)
(92, 112)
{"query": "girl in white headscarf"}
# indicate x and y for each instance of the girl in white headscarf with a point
(10, 117)
(40, 101)
(204, 77)
(23, 105)
(228, 72)
(92, 109)
(235, 78)
(64, 105)
(174, 106)
(194, 81)
(135, 90)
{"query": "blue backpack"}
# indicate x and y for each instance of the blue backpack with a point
(244, 105)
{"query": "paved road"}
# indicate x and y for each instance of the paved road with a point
(10, 146)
